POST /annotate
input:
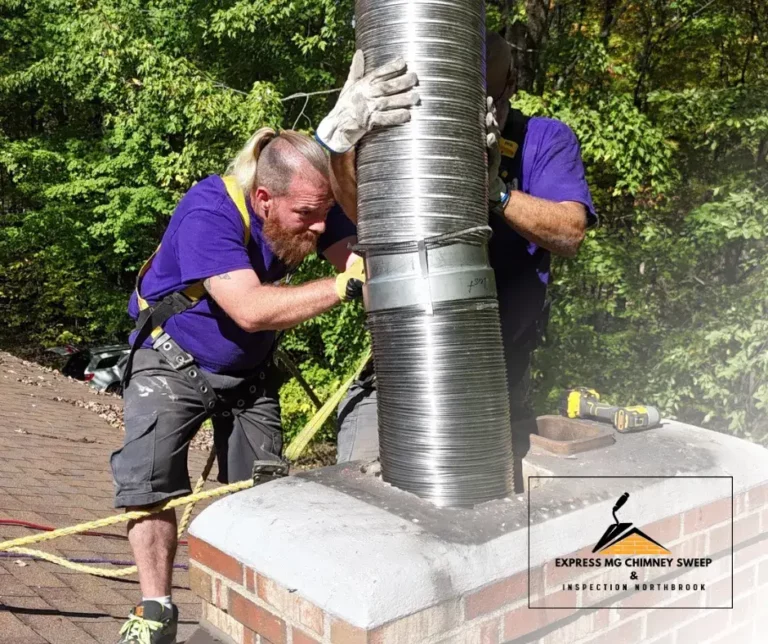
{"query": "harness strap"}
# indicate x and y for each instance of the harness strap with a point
(152, 316)
(512, 145)
(185, 364)
(150, 320)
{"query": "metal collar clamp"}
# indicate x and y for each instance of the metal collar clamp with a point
(428, 271)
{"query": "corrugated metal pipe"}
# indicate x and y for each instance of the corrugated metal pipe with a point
(443, 407)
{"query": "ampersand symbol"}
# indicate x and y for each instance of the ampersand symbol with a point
(633, 576)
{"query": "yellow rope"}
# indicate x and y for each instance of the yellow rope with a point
(198, 488)
(127, 516)
(16, 545)
(305, 436)
(294, 450)
(77, 567)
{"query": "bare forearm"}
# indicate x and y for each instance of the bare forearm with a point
(558, 227)
(273, 308)
(344, 182)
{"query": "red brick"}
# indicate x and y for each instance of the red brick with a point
(200, 583)
(522, 621)
(666, 530)
(742, 634)
(493, 597)
(744, 581)
(556, 577)
(740, 504)
(591, 597)
(300, 637)
(536, 586)
(762, 599)
(641, 599)
(564, 601)
(256, 618)
(574, 629)
(695, 546)
(669, 638)
(709, 624)
(743, 529)
(719, 568)
(745, 609)
(344, 633)
(749, 554)
(486, 633)
(746, 528)
(600, 619)
(762, 574)
(706, 516)
(249, 637)
(489, 632)
(290, 605)
(721, 540)
(757, 497)
(629, 631)
(671, 615)
(220, 595)
(719, 593)
(428, 623)
(215, 559)
(250, 580)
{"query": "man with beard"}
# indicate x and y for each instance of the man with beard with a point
(539, 203)
(208, 308)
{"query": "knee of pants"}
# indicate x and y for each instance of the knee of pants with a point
(253, 434)
(161, 417)
(358, 437)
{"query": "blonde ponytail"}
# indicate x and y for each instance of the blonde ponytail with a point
(245, 165)
(269, 159)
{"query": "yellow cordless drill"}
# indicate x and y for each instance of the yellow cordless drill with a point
(583, 402)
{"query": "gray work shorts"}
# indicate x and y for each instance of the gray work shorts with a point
(163, 413)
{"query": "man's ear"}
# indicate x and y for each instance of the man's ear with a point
(262, 201)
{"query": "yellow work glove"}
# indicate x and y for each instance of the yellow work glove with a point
(349, 284)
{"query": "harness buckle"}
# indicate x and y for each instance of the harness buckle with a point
(178, 358)
(178, 302)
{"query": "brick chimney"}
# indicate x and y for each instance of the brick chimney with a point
(335, 556)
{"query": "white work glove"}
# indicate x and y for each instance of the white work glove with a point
(498, 195)
(378, 99)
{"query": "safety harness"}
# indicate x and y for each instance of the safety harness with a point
(152, 316)
(511, 146)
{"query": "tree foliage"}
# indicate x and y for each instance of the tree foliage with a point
(666, 303)
(111, 109)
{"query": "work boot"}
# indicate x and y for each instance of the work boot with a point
(150, 623)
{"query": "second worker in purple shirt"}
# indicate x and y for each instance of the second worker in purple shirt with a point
(539, 204)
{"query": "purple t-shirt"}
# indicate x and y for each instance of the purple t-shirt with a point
(206, 237)
(550, 168)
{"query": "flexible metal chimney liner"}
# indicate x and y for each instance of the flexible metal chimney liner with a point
(443, 405)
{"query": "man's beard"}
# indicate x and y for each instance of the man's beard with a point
(290, 248)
